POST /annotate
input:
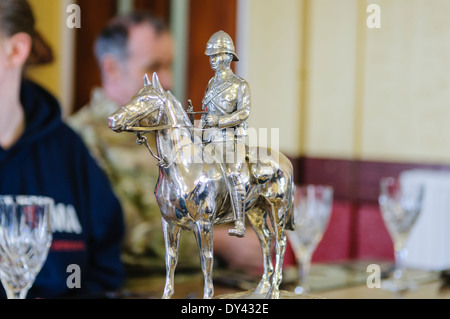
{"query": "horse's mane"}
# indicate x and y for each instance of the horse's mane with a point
(180, 112)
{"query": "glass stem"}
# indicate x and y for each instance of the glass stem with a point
(304, 266)
(400, 257)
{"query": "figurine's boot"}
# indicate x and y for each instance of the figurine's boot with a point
(238, 194)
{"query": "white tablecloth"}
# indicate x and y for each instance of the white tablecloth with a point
(429, 242)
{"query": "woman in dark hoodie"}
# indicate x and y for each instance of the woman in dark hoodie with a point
(40, 155)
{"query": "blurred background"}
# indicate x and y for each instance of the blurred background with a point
(352, 103)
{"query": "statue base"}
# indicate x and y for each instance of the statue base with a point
(249, 294)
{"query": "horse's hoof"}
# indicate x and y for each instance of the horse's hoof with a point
(262, 288)
(167, 295)
(275, 294)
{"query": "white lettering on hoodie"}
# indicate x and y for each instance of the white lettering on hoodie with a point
(65, 219)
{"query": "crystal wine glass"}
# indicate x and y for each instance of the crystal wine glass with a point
(312, 210)
(25, 239)
(400, 206)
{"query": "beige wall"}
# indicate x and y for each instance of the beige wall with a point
(57, 77)
(329, 82)
(407, 83)
(48, 15)
(272, 65)
(374, 94)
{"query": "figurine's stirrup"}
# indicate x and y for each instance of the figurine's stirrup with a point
(238, 231)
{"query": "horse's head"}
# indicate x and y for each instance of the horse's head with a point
(146, 105)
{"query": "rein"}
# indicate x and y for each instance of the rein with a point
(144, 129)
(143, 140)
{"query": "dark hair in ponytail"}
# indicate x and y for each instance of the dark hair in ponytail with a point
(17, 16)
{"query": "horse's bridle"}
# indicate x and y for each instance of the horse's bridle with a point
(139, 131)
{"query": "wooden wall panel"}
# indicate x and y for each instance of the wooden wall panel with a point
(94, 15)
(206, 17)
(160, 8)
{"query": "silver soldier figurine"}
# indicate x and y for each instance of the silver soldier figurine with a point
(227, 107)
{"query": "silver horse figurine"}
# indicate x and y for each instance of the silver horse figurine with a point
(193, 195)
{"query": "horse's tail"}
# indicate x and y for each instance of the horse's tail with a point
(290, 222)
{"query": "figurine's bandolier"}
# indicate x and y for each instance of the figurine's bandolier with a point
(227, 103)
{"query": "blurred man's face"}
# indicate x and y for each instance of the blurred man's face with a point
(3, 58)
(147, 53)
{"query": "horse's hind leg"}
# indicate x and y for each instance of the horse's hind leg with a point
(204, 235)
(278, 224)
(171, 241)
(258, 219)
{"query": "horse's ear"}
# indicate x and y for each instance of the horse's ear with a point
(156, 83)
(146, 80)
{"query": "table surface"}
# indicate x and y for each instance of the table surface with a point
(346, 280)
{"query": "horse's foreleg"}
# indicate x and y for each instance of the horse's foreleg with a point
(171, 241)
(257, 218)
(204, 235)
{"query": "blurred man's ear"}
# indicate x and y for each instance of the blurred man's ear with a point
(18, 49)
(110, 68)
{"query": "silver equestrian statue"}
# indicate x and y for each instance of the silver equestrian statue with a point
(195, 188)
